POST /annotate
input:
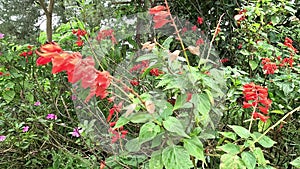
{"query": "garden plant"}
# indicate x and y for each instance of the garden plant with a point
(174, 85)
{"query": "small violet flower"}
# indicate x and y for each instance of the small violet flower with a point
(2, 138)
(25, 128)
(76, 132)
(1, 35)
(38, 103)
(73, 97)
(51, 116)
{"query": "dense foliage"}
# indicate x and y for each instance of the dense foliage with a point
(151, 84)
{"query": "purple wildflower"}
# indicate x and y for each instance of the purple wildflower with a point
(51, 116)
(1, 35)
(76, 132)
(2, 138)
(38, 103)
(25, 128)
(73, 97)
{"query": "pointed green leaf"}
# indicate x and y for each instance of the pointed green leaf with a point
(240, 131)
(230, 148)
(296, 162)
(147, 132)
(259, 156)
(133, 145)
(194, 147)
(249, 160)
(176, 156)
(8, 95)
(156, 160)
(229, 161)
(174, 125)
(253, 64)
(265, 141)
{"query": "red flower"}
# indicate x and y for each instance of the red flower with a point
(134, 82)
(224, 60)
(289, 43)
(1, 73)
(259, 96)
(30, 53)
(24, 54)
(159, 16)
(79, 42)
(155, 72)
(194, 28)
(263, 118)
(240, 46)
(48, 51)
(200, 20)
(184, 30)
(199, 42)
(270, 68)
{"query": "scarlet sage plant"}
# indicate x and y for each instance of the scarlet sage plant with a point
(76, 68)
(256, 97)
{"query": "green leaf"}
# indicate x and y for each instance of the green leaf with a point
(8, 95)
(230, 148)
(174, 125)
(296, 162)
(156, 160)
(202, 103)
(121, 122)
(240, 131)
(176, 156)
(253, 64)
(265, 141)
(277, 111)
(194, 147)
(244, 52)
(249, 160)
(167, 42)
(229, 161)
(29, 97)
(133, 145)
(180, 100)
(259, 156)
(230, 135)
(146, 57)
(148, 131)
(140, 117)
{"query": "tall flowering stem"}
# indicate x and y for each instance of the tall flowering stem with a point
(256, 97)
(177, 33)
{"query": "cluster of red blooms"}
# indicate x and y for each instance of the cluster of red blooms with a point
(106, 33)
(160, 16)
(155, 72)
(289, 43)
(200, 41)
(79, 33)
(118, 133)
(134, 82)
(27, 53)
(224, 60)
(76, 68)
(199, 20)
(256, 97)
(140, 67)
(268, 66)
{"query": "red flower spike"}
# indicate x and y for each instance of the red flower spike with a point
(257, 95)
(199, 20)
(156, 9)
